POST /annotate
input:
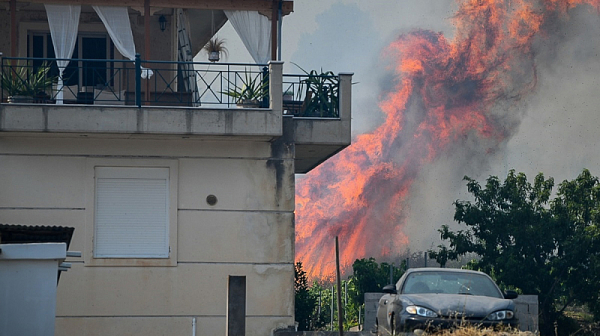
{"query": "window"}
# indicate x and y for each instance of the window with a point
(91, 47)
(131, 213)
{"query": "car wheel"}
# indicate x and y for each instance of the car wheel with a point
(392, 325)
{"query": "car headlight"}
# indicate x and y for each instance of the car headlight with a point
(501, 315)
(416, 310)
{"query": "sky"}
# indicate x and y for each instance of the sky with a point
(555, 127)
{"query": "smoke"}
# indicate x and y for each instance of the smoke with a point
(554, 130)
(476, 105)
(559, 132)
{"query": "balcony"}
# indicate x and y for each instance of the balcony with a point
(179, 99)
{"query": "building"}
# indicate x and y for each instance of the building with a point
(170, 186)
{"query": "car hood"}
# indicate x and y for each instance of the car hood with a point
(455, 305)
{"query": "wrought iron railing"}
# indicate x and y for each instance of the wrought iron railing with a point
(311, 95)
(197, 84)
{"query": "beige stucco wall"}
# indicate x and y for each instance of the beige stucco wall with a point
(250, 231)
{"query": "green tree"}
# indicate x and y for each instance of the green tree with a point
(577, 209)
(369, 276)
(305, 301)
(322, 313)
(351, 306)
(531, 243)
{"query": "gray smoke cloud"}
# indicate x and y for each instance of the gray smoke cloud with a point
(554, 130)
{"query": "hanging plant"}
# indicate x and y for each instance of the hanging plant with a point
(215, 47)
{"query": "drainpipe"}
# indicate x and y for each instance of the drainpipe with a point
(194, 326)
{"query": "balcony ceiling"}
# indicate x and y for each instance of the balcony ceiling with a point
(206, 24)
(265, 6)
(309, 156)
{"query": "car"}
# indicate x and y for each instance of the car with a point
(442, 298)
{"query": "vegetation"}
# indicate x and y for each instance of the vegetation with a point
(529, 242)
(371, 277)
(322, 94)
(24, 80)
(528, 237)
(313, 306)
(216, 45)
(472, 331)
(253, 88)
(305, 300)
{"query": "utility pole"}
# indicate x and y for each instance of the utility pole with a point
(339, 285)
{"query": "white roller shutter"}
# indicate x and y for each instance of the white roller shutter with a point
(131, 213)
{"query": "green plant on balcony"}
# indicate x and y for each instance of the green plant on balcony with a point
(249, 91)
(215, 47)
(322, 94)
(23, 83)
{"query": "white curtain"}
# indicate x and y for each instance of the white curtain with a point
(116, 21)
(255, 31)
(63, 21)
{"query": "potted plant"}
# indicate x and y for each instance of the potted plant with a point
(322, 94)
(23, 83)
(251, 92)
(214, 48)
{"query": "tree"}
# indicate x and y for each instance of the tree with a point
(531, 243)
(322, 313)
(305, 301)
(369, 276)
(577, 209)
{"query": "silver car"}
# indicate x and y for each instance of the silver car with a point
(430, 298)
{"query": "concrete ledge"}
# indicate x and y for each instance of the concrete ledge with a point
(322, 131)
(36, 251)
(286, 332)
(133, 120)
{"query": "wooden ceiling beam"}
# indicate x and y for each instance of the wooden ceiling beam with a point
(258, 5)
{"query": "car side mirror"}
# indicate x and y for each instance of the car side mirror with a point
(389, 289)
(511, 295)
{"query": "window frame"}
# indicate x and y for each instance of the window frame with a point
(91, 165)
(79, 66)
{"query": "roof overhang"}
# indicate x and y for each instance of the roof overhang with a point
(264, 6)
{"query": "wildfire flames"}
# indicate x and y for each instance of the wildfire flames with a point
(444, 91)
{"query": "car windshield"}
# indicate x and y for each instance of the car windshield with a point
(448, 282)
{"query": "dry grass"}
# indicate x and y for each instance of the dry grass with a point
(472, 331)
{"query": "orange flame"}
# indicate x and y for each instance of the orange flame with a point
(445, 90)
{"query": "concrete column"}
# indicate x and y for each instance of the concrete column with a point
(236, 306)
(276, 86)
(345, 97)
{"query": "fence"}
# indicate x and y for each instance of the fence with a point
(164, 83)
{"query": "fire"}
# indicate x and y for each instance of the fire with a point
(445, 90)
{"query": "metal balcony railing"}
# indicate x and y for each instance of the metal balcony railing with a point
(184, 84)
(311, 95)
